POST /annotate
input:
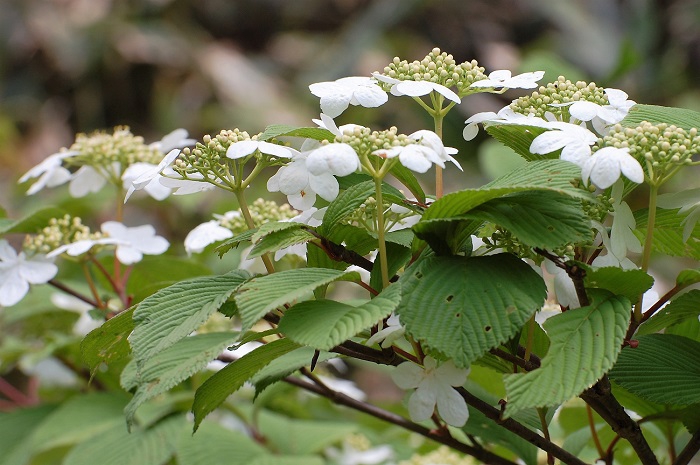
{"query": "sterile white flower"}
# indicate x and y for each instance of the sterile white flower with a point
(615, 255)
(421, 156)
(17, 272)
(563, 286)
(85, 323)
(356, 90)
(687, 201)
(186, 186)
(205, 234)
(153, 173)
(618, 107)
(606, 165)
(601, 116)
(177, 139)
(432, 141)
(503, 78)
(336, 159)
(504, 116)
(50, 172)
(80, 247)
(246, 147)
(416, 88)
(574, 140)
(135, 241)
(433, 386)
(387, 336)
(350, 455)
(88, 180)
(154, 188)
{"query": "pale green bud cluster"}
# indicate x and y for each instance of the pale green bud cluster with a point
(359, 442)
(600, 209)
(560, 91)
(210, 154)
(60, 231)
(438, 67)
(496, 237)
(101, 149)
(364, 140)
(442, 455)
(262, 211)
(662, 147)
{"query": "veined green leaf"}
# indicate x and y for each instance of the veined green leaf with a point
(584, 345)
(279, 130)
(347, 202)
(463, 307)
(170, 367)
(234, 241)
(480, 426)
(108, 343)
(683, 308)
(408, 179)
(688, 277)
(116, 446)
(629, 283)
(285, 237)
(213, 444)
(223, 383)
(323, 324)
(174, 312)
(33, 222)
(265, 293)
(681, 117)
(285, 365)
(663, 368)
(519, 138)
(668, 233)
(156, 272)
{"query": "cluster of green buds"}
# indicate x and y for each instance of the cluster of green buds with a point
(662, 148)
(261, 211)
(560, 91)
(496, 237)
(599, 209)
(60, 231)
(438, 67)
(208, 157)
(365, 141)
(102, 150)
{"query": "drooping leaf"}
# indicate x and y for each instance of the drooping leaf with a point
(174, 312)
(663, 368)
(681, 117)
(223, 383)
(296, 233)
(323, 324)
(683, 308)
(108, 343)
(116, 446)
(214, 444)
(629, 283)
(584, 345)
(32, 222)
(279, 130)
(668, 233)
(463, 307)
(265, 293)
(171, 366)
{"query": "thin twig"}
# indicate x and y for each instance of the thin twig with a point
(72, 292)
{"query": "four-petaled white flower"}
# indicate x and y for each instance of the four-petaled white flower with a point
(421, 156)
(246, 147)
(17, 272)
(177, 139)
(153, 174)
(504, 116)
(574, 140)
(601, 116)
(606, 165)
(433, 386)
(154, 188)
(132, 243)
(50, 172)
(503, 78)
(390, 334)
(416, 88)
(208, 233)
(356, 90)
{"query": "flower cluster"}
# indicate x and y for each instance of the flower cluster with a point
(58, 232)
(18, 271)
(554, 98)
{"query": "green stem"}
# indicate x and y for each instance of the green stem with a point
(380, 232)
(648, 241)
(243, 205)
(438, 118)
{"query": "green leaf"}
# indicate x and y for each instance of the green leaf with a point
(108, 343)
(287, 460)
(463, 307)
(663, 368)
(116, 446)
(33, 222)
(323, 324)
(174, 312)
(279, 130)
(397, 257)
(223, 383)
(156, 272)
(285, 365)
(233, 242)
(584, 345)
(629, 283)
(408, 179)
(683, 308)
(688, 277)
(519, 138)
(539, 219)
(265, 293)
(294, 233)
(491, 433)
(681, 117)
(170, 367)
(213, 444)
(347, 202)
(668, 233)
(16, 440)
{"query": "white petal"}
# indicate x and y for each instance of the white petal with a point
(302, 200)
(84, 181)
(548, 142)
(242, 149)
(631, 168)
(452, 407)
(325, 185)
(421, 404)
(335, 105)
(38, 270)
(446, 92)
(7, 252)
(414, 159)
(413, 88)
(293, 177)
(370, 96)
(449, 374)
(584, 111)
(275, 150)
(12, 288)
(407, 375)
(128, 255)
(470, 131)
(205, 234)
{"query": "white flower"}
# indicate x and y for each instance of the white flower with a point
(434, 387)
(153, 173)
(601, 116)
(87, 179)
(387, 336)
(350, 455)
(432, 141)
(312, 217)
(616, 254)
(337, 95)
(246, 147)
(85, 323)
(195, 183)
(574, 140)
(416, 88)
(618, 108)
(50, 172)
(504, 116)
(336, 159)
(688, 201)
(153, 188)
(176, 139)
(503, 78)
(421, 156)
(563, 286)
(132, 243)
(606, 165)
(17, 272)
(205, 234)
